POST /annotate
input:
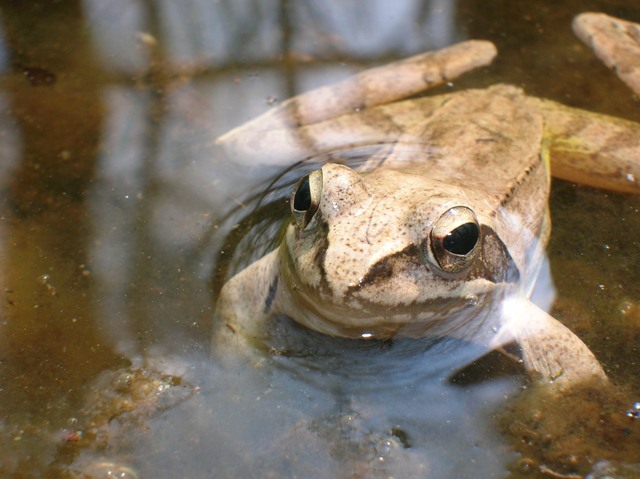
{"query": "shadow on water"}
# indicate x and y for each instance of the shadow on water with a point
(117, 210)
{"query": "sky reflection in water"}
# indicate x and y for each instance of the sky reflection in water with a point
(115, 200)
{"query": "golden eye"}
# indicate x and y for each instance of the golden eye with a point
(305, 198)
(455, 239)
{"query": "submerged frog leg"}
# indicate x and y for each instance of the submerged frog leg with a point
(589, 148)
(616, 42)
(370, 129)
(551, 352)
(243, 305)
(370, 88)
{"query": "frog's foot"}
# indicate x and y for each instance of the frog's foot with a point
(551, 352)
(358, 93)
(616, 42)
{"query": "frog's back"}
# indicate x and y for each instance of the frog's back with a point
(488, 140)
(489, 145)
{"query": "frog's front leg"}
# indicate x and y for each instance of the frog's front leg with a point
(244, 304)
(589, 148)
(616, 42)
(551, 352)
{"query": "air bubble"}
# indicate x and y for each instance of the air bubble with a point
(472, 300)
(634, 412)
(110, 470)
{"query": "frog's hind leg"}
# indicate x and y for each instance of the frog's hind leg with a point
(616, 42)
(360, 92)
(589, 148)
(593, 149)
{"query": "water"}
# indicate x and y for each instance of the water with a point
(114, 206)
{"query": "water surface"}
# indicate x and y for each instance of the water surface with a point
(115, 207)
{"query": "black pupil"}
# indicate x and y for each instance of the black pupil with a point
(302, 198)
(462, 239)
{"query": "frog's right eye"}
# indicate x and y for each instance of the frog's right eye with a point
(305, 198)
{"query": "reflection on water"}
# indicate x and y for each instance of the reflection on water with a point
(115, 204)
(265, 421)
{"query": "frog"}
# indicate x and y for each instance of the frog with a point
(441, 230)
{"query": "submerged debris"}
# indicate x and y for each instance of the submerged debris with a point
(567, 436)
(119, 408)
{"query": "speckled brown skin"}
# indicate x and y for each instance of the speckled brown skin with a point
(359, 267)
(616, 42)
(364, 265)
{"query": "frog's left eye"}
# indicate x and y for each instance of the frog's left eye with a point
(455, 239)
(305, 198)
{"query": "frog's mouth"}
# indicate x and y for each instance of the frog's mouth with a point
(461, 317)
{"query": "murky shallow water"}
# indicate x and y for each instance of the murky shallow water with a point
(114, 209)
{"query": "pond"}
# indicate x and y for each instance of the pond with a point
(120, 220)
